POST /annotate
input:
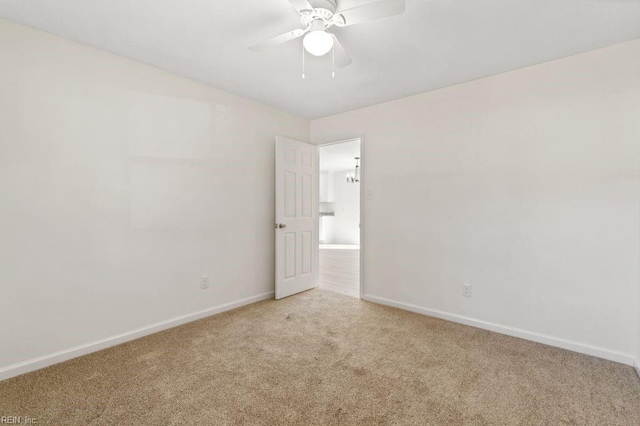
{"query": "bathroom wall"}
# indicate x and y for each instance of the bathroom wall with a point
(342, 200)
(346, 201)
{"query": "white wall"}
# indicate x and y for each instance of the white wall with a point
(326, 186)
(525, 185)
(120, 185)
(346, 204)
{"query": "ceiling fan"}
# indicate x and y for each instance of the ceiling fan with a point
(318, 16)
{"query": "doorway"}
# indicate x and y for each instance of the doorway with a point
(339, 218)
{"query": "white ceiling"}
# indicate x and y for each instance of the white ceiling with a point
(339, 156)
(436, 43)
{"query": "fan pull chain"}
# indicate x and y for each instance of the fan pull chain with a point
(303, 77)
(333, 62)
(333, 59)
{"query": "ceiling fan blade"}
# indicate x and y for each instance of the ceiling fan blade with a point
(283, 38)
(342, 57)
(301, 5)
(369, 12)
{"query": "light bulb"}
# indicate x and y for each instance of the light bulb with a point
(318, 42)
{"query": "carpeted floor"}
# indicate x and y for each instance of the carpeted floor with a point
(324, 358)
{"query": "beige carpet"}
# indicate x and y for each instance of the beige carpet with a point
(324, 358)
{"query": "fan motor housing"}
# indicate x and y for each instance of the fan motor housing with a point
(322, 16)
(329, 5)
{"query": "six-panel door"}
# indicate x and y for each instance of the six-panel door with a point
(296, 216)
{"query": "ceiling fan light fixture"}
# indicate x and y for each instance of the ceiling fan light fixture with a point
(318, 42)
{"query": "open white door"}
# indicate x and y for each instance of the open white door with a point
(296, 217)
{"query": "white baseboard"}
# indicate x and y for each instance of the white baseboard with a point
(636, 364)
(511, 331)
(57, 357)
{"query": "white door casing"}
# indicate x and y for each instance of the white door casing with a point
(296, 217)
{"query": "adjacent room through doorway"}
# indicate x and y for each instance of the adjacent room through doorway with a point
(339, 218)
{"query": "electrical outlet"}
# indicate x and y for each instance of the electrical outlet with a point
(466, 290)
(204, 282)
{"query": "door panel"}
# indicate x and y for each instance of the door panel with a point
(307, 252)
(296, 217)
(289, 255)
(289, 195)
(307, 193)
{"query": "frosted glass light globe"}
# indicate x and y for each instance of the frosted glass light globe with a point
(318, 42)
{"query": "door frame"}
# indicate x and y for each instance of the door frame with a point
(362, 206)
